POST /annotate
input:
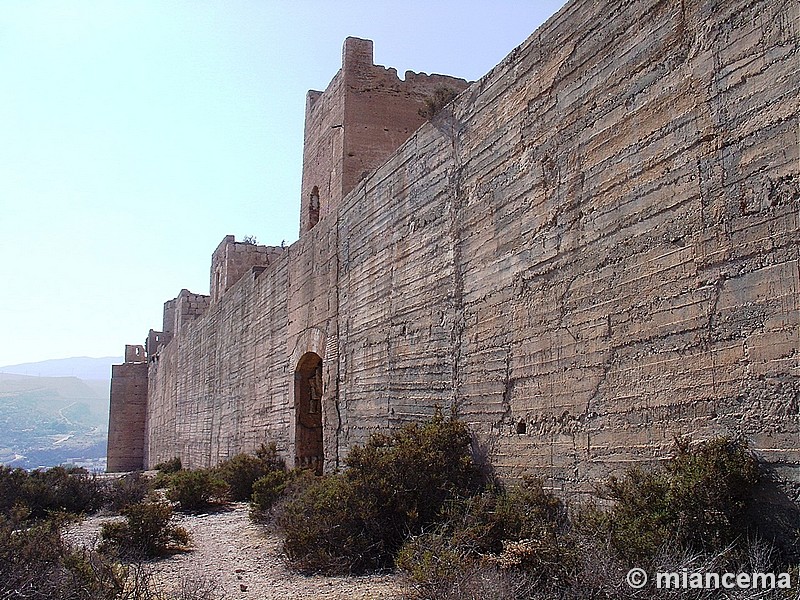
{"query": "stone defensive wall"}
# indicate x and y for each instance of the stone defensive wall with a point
(592, 250)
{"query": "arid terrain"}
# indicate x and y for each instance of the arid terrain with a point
(243, 560)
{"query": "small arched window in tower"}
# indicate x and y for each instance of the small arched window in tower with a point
(521, 427)
(313, 208)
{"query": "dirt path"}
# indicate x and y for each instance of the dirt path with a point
(245, 562)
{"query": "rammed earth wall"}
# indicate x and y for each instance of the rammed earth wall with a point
(593, 250)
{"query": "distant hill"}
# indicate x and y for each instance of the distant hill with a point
(37, 396)
(57, 418)
(81, 367)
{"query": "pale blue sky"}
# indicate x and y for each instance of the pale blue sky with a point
(135, 135)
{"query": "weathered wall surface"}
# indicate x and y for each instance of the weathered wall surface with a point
(220, 386)
(594, 250)
(628, 237)
(397, 290)
(597, 251)
(127, 414)
(363, 116)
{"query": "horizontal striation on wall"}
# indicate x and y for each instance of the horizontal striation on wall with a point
(220, 387)
(593, 250)
(629, 233)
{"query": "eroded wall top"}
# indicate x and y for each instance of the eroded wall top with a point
(232, 259)
(364, 115)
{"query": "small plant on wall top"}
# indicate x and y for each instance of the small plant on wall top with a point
(442, 96)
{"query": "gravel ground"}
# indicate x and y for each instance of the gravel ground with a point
(243, 561)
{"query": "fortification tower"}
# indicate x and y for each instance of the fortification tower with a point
(365, 114)
(606, 259)
(351, 128)
(128, 411)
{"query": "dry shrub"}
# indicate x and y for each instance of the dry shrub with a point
(441, 97)
(36, 564)
(393, 487)
(146, 532)
(173, 465)
(197, 490)
(59, 489)
(165, 471)
(243, 470)
(124, 491)
(699, 501)
(272, 492)
(517, 539)
(691, 515)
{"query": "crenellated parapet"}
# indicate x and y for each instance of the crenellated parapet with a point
(364, 115)
(232, 259)
(189, 307)
(591, 251)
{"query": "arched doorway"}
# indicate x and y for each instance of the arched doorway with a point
(308, 411)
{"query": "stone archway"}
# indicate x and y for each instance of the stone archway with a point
(308, 391)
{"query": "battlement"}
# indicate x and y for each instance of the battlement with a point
(135, 354)
(357, 54)
(185, 308)
(155, 341)
(606, 259)
(232, 259)
(364, 115)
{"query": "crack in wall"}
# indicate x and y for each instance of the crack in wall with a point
(508, 384)
(456, 205)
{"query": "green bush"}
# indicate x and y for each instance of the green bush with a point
(173, 465)
(393, 487)
(166, 470)
(241, 471)
(43, 491)
(326, 529)
(145, 532)
(482, 523)
(267, 490)
(124, 491)
(196, 490)
(414, 470)
(710, 488)
(699, 501)
(640, 521)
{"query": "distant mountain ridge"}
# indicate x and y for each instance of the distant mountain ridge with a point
(62, 387)
(46, 421)
(82, 367)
